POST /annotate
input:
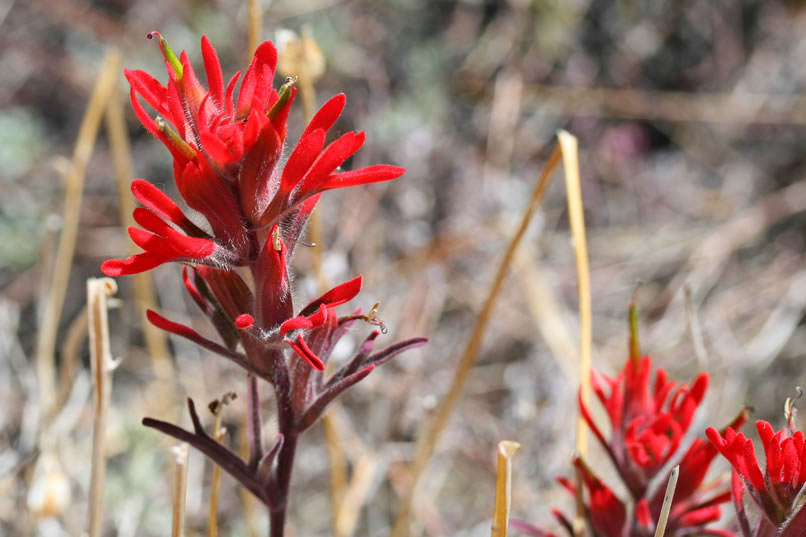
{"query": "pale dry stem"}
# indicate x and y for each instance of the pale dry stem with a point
(503, 487)
(338, 469)
(254, 28)
(71, 347)
(576, 216)
(660, 529)
(354, 496)
(215, 485)
(88, 131)
(429, 435)
(98, 290)
(181, 451)
(716, 108)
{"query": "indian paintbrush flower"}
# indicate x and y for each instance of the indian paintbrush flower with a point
(228, 157)
(647, 425)
(778, 491)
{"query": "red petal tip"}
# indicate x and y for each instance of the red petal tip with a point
(244, 321)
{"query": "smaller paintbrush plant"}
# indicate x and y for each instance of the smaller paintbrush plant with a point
(230, 168)
(647, 426)
(778, 493)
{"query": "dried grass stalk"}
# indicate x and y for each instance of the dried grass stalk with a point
(660, 530)
(576, 217)
(180, 489)
(354, 497)
(429, 435)
(98, 290)
(87, 133)
(254, 28)
(215, 486)
(71, 347)
(503, 487)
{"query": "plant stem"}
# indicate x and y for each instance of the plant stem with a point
(287, 426)
(285, 464)
(255, 422)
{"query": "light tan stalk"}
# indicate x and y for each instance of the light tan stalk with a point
(254, 28)
(216, 407)
(71, 347)
(355, 495)
(576, 217)
(98, 290)
(74, 187)
(660, 529)
(430, 433)
(181, 451)
(215, 486)
(503, 487)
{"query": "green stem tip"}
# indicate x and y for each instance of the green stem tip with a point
(168, 52)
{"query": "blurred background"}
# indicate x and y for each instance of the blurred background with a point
(691, 128)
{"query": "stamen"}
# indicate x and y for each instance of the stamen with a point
(370, 318)
(171, 58)
(175, 140)
(284, 94)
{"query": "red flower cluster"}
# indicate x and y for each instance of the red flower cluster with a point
(227, 164)
(647, 424)
(778, 491)
(226, 156)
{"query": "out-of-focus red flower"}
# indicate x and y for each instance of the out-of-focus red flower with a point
(778, 490)
(647, 425)
(607, 513)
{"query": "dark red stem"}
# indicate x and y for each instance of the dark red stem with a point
(285, 459)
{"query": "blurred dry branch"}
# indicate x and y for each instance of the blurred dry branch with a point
(74, 189)
(732, 109)
(430, 432)
(216, 407)
(181, 453)
(98, 290)
(503, 487)
(568, 145)
(660, 529)
(254, 28)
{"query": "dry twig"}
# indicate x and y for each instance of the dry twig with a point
(429, 435)
(568, 143)
(46, 344)
(216, 407)
(660, 529)
(254, 28)
(98, 290)
(503, 487)
(181, 451)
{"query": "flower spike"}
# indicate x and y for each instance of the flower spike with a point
(250, 202)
